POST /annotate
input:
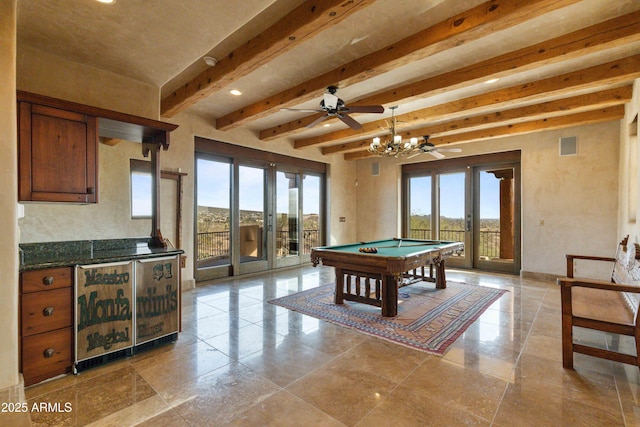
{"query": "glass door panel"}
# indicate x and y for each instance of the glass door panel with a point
(311, 209)
(495, 219)
(452, 217)
(420, 218)
(251, 199)
(253, 215)
(213, 218)
(287, 202)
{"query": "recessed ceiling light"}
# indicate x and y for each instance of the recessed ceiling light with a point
(235, 92)
(491, 81)
(326, 125)
(106, 1)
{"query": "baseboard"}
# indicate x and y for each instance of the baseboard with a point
(543, 277)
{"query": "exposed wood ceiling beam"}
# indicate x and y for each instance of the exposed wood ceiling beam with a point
(612, 33)
(575, 104)
(472, 24)
(580, 119)
(588, 117)
(612, 73)
(304, 22)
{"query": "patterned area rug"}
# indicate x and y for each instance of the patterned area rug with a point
(428, 319)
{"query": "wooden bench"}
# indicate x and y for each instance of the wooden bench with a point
(601, 305)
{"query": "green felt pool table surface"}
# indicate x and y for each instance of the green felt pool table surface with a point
(392, 247)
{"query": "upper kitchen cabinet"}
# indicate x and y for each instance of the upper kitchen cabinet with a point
(58, 146)
(57, 155)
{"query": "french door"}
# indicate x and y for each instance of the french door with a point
(253, 216)
(496, 217)
(478, 204)
(297, 222)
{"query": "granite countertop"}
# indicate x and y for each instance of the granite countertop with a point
(34, 256)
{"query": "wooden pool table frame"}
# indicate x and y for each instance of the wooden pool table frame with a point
(386, 273)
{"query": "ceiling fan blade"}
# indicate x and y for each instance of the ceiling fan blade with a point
(349, 121)
(365, 109)
(436, 154)
(318, 120)
(414, 155)
(305, 110)
(450, 150)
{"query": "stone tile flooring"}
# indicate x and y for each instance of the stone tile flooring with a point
(241, 361)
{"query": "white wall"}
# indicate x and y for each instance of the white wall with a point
(376, 195)
(8, 197)
(46, 74)
(576, 197)
(629, 176)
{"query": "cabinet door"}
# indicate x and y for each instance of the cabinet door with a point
(58, 151)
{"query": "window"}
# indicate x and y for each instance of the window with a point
(140, 192)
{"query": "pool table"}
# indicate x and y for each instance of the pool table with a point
(374, 277)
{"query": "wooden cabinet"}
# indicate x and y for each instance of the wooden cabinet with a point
(46, 323)
(57, 155)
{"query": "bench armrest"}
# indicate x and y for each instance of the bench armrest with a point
(598, 284)
(570, 259)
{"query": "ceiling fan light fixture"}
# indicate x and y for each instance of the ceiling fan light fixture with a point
(332, 106)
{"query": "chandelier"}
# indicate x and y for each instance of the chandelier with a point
(395, 147)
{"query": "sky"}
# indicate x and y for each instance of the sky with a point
(140, 194)
(452, 195)
(214, 182)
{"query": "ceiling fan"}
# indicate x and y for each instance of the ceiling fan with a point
(429, 148)
(335, 107)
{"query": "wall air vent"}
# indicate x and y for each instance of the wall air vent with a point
(569, 146)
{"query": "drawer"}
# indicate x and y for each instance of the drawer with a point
(45, 279)
(46, 311)
(47, 355)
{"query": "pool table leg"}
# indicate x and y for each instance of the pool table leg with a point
(338, 297)
(441, 280)
(389, 295)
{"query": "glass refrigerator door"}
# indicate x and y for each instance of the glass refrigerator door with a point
(104, 309)
(157, 298)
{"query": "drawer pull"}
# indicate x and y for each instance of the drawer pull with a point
(48, 311)
(47, 280)
(49, 353)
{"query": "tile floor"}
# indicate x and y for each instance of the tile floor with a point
(244, 362)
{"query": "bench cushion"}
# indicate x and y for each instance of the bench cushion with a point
(603, 305)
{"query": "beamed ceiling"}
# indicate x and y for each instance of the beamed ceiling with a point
(559, 63)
